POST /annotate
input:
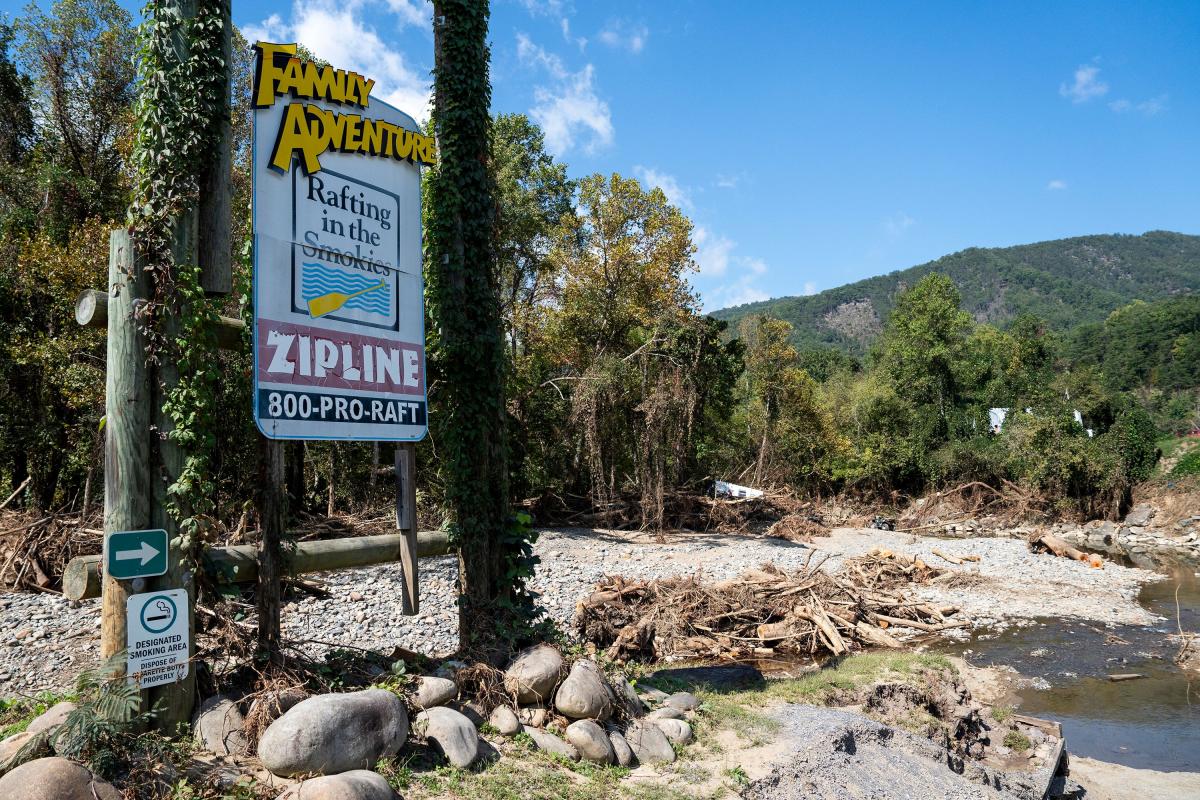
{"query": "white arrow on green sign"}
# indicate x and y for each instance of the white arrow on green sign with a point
(136, 554)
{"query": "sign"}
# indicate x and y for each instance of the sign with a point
(135, 554)
(339, 329)
(158, 637)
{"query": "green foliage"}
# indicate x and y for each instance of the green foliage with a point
(1017, 741)
(1066, 282)
(1143, 344)
(1188, 465)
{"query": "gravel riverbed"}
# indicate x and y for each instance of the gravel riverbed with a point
(45, 640)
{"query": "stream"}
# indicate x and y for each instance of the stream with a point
(1149, 723)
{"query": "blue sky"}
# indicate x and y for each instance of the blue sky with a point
(816, 144)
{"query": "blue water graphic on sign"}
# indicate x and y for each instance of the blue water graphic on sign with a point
(320, 280)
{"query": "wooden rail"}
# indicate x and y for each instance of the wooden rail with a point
(239, 564)
(91, 311)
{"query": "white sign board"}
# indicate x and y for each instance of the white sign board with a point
(157, 637)
(339, 333)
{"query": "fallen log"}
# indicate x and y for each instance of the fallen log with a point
(1044, 542)
(952, 559)
(1125, 676)
(239, 564)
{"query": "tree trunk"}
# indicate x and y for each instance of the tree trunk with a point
(465, 308)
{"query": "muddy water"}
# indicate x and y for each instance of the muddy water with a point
(1150, 723)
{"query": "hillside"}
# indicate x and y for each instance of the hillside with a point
(1067, 282)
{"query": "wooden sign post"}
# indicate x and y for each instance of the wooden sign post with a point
(406, 522)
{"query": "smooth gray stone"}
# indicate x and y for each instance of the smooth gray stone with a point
(678, 731)
(591, 741)
(434, 691)
(552, 744)
(333, 733)
(218, 727)
(358, 784)
(649, 743)
(55, 778)
(585, 693)
(534, 673)
(621, 749)
(451, 732)
(504, 720)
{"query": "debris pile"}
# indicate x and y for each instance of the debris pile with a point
(798, 528)
(35, 546)
(764, 612)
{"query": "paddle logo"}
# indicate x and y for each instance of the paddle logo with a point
(327, 290)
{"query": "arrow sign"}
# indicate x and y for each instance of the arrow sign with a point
(136, 554)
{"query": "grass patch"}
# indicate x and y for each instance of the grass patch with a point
(1188, 465)
(17, 713)
(1001, 713)
(1017, 741)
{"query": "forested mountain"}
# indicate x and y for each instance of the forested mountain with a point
(1066, 282)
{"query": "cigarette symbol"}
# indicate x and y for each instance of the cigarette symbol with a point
(163, 608)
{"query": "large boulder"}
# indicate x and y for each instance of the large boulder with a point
(591, 741)
(333, 733)
(585, 693)
(433, 692)
(55, 779)
(505, 721)
(649, 743)
(358, 784)
(532, 716)
(684, 701)
(551, 744)
(677, 730)
(26, 745)
(218, 727)
(451, 732)
(50, 720)
(621, 750)
(627, 699)
(533, 674)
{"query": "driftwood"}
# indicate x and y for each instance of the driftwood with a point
(1045, 543)
(761, 613)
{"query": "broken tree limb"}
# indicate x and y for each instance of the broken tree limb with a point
(16, 492)
(952, 559)
(239, 564)
(1044, 542)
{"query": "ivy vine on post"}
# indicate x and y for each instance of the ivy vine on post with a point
(465, 341)
(181, 111)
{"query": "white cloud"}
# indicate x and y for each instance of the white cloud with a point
(271, 29)
(716, 257)
(338, 33)
(728, 181)
(898, 223)
(713, 252)
(809, 288)
(569, 111)
(1086, 85)
(1154, 105)
(676, 194)
(625, 35)
(1056, 185)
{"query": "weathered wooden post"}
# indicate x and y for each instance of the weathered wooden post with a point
(273, 508)
(127, 425)
(406, 521)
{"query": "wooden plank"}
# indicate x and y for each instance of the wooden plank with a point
(239, 564)
(91, 311)
(406, 522)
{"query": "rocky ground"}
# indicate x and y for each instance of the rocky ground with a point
(45, 640)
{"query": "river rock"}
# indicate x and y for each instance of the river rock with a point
(534, 673)
(652, 695)
(552, 744)
(10, 747)
(55, 779)
(51, 718)
(505, 721)
(267, 708)
(666, 712)
(678, 731)
(532, 716)
(1140, 515)
(626, 697)
(585, 693)
(591, 741)
(621, 749)
(649, 743)
(333, 733)
(358, 784)
(434, 691)
(451, 732)
(684, 701)
(218, 727)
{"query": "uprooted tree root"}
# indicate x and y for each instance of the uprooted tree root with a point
(763, 612)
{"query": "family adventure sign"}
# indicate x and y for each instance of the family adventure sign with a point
(339, 336)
